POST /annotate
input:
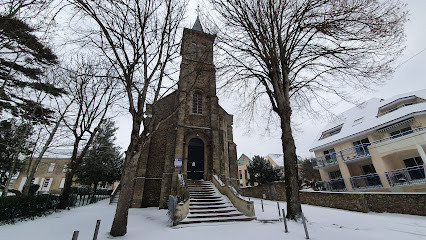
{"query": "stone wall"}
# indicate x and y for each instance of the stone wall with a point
(405, 203)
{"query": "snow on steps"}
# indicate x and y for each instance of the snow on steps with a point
(208, 205)
(115, 199)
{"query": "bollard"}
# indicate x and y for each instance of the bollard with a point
(285, 221)
(279, 212)
(75, 235)
(95, 235)
(304, 225)
(261, 201)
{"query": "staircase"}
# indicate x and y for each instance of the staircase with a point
(208, 205)
(114, 200)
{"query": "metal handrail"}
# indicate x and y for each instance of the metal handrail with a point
(419, 129)
(366, 181)
(365, 146)
(410, 175)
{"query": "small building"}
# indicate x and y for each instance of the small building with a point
(378, 145)
(243, 174)
(50, 175)
(277, 161)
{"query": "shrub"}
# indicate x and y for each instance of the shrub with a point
(19, 208)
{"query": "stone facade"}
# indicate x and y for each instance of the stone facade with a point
(405, 203)
(192, 128)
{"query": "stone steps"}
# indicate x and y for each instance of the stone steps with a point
(208, 205)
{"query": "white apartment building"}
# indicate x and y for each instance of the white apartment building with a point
(376, 146)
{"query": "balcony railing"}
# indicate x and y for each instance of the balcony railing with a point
(358, 152)
(399, 135)
(407, 176)
(337, 184)
(324, 161)
(366, 181)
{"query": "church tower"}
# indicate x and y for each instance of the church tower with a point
(195, 136)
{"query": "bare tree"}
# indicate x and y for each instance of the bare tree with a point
(139, 39)
(296, 51)
(92, 91)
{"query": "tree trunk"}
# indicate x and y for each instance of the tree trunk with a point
(9, 178)
(119, 225)
(65, 196)
(27, 184)
(95, 186)
(291, 177)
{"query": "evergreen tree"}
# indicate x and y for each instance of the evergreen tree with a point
(308, 174)
(22, 62)
(103, 162)
(261, 171)
(14, 145)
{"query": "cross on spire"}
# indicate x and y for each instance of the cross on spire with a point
(197, 25)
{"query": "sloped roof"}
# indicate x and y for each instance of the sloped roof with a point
(277, 158)
(197, 25)
(363, 118)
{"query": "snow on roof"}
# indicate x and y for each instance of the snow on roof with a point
(58, 153)
(277, 158)
(363, 118)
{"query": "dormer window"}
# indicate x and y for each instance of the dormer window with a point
(399, 103)
(331, 132)
(197, 104)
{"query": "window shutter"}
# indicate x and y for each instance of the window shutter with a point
(41, 184)
(62, 183)
(21, 186)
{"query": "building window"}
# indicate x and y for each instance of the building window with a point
(61, 185)
(197, 104)
(368, 169)
(46, 182)
(245, 174)
(401, 132)
(335, 174)
(358, 121)
(399, 103)
(241, 175)
(361, 146)
(331, 132)
(51, 167)
(65, 168)
(330, 155)
(412, 162)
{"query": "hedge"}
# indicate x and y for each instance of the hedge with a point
(15, 208)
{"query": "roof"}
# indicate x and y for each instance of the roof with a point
(243, 160)
(197, 25)
(363, 118)
(277, 158)
(57, 153)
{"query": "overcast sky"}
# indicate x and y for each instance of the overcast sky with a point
(409, 76)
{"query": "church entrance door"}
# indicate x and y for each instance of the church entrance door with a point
(195, 167)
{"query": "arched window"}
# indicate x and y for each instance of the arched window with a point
(197, 103)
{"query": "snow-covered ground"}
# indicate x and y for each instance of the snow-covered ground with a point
(152, 224)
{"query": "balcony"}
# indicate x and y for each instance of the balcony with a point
(357, 153)
(325, 161)
(361, 152)
(337, 184)
(406, 176)
(369, 181)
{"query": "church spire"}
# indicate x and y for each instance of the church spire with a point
(197, 25)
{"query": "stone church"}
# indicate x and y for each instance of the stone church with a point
(194, 137)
